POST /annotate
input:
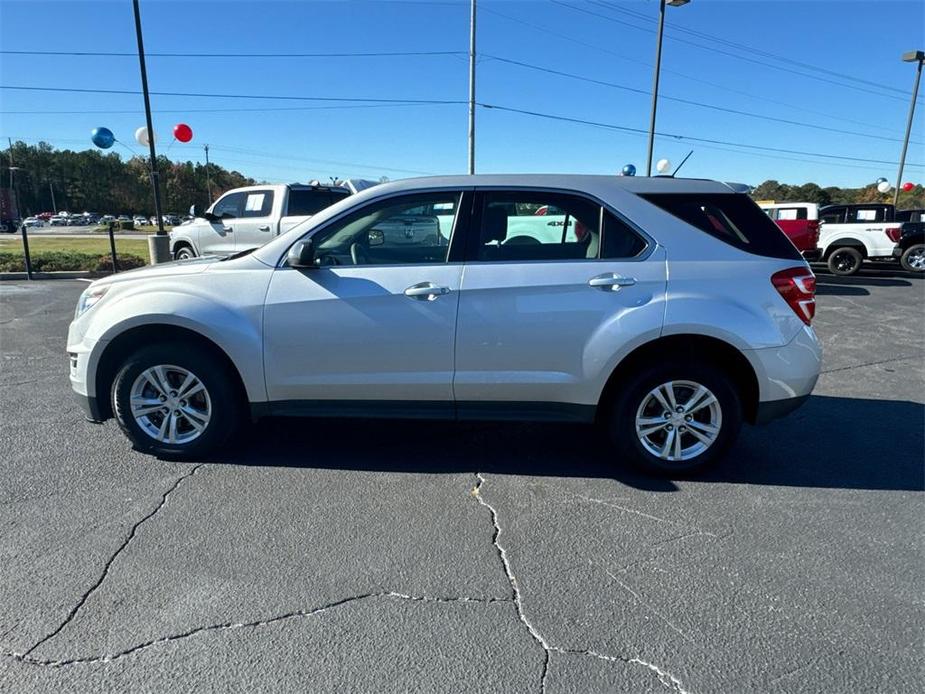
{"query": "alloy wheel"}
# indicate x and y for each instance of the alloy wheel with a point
(170, 404)
(916, 259)
(678, 420)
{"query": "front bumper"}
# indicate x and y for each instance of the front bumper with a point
(90, 407)
(812, 256)
(898, 252)
(775, 409)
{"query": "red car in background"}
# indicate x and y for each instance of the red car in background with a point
(799, 221)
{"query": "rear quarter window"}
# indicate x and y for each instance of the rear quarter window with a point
(730, 217)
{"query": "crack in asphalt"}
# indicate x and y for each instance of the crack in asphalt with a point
(871, 363)
(666, 678)
(228, 626)
(125, 543)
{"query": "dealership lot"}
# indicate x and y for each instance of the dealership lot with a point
(422, 556)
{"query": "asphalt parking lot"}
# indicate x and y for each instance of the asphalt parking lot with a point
(416, 556)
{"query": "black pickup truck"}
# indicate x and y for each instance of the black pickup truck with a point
(910, 249)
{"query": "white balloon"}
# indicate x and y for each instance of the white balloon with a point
(662, 165)
(880, 180)
(141, 136)
(884, 186)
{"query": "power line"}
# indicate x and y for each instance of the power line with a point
(750, 49)
(713, 49)
(226, 110)
(371, 54)
(690, 102)
(687, 138)
(282, 97)
(777, 102)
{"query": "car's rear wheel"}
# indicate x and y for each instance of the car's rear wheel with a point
(845, 261)
(675, 417)
(174, 400)
(913, 259)
(184, 253)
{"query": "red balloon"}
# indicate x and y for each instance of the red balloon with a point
(908, 186)
(183, 132)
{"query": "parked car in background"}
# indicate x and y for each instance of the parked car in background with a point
(851, 234)
(34, 223)
(123, 218)
(248, 217)
(799, 221)
(138, 220)
(58, 221)
(910, 250)
(672, 311)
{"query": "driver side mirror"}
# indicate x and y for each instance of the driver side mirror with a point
(212, 218)
(192, 210)
(302, 255)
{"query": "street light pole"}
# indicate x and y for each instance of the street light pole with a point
(158, 243)
(472, 12)
(910, 57)
(658, 66)
(208, 175)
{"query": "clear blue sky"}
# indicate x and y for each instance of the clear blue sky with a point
(606, 41)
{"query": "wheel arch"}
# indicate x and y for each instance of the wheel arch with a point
(126, 342)
(842, 242)
(717, 352)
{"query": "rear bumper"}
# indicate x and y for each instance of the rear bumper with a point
(774, 409)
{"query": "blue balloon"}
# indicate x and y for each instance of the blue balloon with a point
(102, 137)
(629, 170)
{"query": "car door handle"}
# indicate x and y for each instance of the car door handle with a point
(265, 227)
(227, 230)
(611, 281)
(425, 291)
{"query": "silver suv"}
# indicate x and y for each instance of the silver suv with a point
(668, 311)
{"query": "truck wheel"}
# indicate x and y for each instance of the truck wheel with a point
(184, 253)
(172, 399)
(913, 259)
(845, 261)
(675, 416)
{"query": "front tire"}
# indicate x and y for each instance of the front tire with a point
(675, 417)
(913, 259)
(845, 261)
(184, 253)
(175, 400)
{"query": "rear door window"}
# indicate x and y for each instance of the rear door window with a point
(730, 217)
(258, 203)
(307, 201)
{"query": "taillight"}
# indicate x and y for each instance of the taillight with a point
(797, 286)
(813, 227)
(894, 234)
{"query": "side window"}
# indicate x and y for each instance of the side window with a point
(870, 214)
(399, 231)
(308, 201)
(524, 226)
(619, 239)
(835, 215)
(229, 207)
(258, 203)
(790, 213)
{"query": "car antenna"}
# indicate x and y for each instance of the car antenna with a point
(674, 173)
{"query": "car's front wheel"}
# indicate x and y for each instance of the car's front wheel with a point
(675, 417)
(184, 253)
(913, 259)
(175, 400)
(845, 261)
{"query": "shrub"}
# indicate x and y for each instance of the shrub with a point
(58, 261)
(125, 226)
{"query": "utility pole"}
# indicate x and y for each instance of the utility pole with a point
(658, 67)
(54, 206)
(208, 175)
(158, 243)
(14, 202)
(910, 57)
(472, 11)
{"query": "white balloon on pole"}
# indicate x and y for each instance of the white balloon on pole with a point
(141, 136)
(662, 165)
(884, 186)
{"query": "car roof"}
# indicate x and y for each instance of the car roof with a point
(588, 183)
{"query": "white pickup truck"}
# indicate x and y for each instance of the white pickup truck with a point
(851, 234)
(245, 218)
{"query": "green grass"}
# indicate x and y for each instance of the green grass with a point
(37, 244)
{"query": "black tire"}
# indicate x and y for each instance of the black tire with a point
(184, 252)
(913, 258)
(226, 408)
(621, 422)
(845, 261)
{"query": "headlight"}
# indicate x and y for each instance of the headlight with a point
(89, 298)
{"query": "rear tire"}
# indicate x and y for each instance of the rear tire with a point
(845, 261)
(176, 400)
(650, 431)
(913, 259)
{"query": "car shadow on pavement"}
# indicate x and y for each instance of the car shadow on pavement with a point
(830, 442)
